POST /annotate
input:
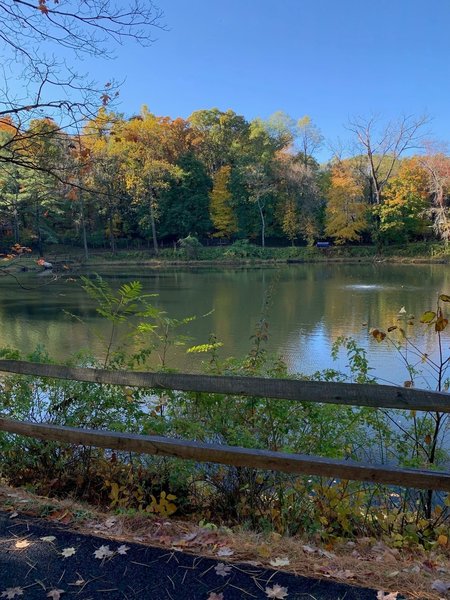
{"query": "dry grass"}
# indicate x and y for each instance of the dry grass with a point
(366, 562)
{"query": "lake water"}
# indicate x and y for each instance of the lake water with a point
(309, 307)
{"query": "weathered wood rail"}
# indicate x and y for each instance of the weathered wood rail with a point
(377, 396)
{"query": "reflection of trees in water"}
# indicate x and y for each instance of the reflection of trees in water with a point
(310, 306)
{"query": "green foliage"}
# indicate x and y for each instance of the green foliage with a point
(126, 182)
(190, 247)
(288, 504)
(184, 206)
(243, 249)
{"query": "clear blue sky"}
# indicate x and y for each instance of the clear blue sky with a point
(330, 59)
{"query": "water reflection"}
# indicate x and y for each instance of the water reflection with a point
(309, 307)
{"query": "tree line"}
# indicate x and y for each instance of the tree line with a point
(218, 176)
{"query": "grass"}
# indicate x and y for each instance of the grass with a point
(243, 253)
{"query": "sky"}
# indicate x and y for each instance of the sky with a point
(331, 60)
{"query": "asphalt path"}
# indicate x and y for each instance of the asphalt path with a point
(97, 568)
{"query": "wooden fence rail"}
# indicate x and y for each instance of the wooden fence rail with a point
(376, 396)
(304, 391)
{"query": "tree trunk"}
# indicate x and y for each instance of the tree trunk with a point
(112, 240)
(263, 224)
(153, 224)
(16, 224)
(83, 228)
(38, 230)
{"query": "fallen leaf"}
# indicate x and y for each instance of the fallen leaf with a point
(62, 516)
(276, 592)
(48, 538)
(280, 562)
(222, 569)
(387, 596)
(225, 551)
(441, 586)
(414, 569)
(345, 574)
(122, 549)
(327, 554)
(103, 552)
(214, 596)
(264, 551)
(442, 540)
(67, 552)
(10, 593)
(22, 544)
(309, 549)
(55, 594)
(110, 522)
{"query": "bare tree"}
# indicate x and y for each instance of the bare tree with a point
(35, 36)
(436, 162)
(38, 41)
(259, 188)
(381, 147)
(309, 139)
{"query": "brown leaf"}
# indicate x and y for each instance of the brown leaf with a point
(378, 334)
(441, 324)
(62, 516)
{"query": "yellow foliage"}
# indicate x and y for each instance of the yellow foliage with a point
(164, 507)
(346, 213)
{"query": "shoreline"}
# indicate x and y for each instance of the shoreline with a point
(66, 259)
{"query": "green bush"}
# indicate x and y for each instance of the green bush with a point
(243, 249)
(288, 503)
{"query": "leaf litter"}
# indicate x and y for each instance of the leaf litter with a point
(416, 573)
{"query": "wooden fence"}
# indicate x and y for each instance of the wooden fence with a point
(377, 396)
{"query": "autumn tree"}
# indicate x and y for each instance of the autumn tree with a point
(41, 41)
(403, 212)
(100, 162)
(346, 211)
(39, 188)
(436, 163)
(382, 146)
(260, 187)
(309, 140)
(145, 145)
(222, 212)
(290, 221)
(297, 186)
(218, 136)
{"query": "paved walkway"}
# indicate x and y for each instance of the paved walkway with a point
(92, 568)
